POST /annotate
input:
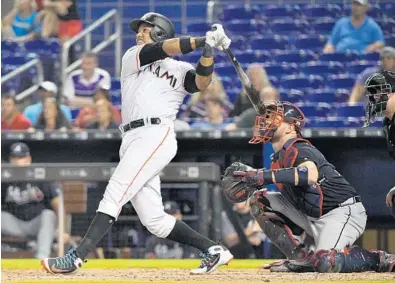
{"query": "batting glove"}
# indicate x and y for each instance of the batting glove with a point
(211, 39)
(222, 41)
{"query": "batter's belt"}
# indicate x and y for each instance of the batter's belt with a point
(139, 123)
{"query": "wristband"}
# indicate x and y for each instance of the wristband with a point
(204, 71)
(185, 45)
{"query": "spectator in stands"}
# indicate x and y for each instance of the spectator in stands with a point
(387, 57)
(29, 209)
(165, 248)
(358, 32)
(259, 79)
(251, 228)
(46, 90)
(86, 115)
(246, 119)
(104, 116)
(215, 118)
(21, 24)
(80, 85)
(11, 118)
(51, 117)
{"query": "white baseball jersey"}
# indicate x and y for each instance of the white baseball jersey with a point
(153, 90)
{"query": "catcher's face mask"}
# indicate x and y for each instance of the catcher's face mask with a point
(276, 113)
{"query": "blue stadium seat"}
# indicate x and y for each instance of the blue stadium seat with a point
(314, 109)
(342, 95)
(345, 110)
(246, 57)
(115, 84)
(321, 68)
(274, 81)
(43, 47)
(291, 95)
(263, 56)
(390, 39)
(237, 12)
(276, 11)
(225, 69)
(310, 42)
(268, 43)
(196, 10)
(320, 11)
(342, 57)
(333, 122)
(116, 97)
(301, 82)
(242, 27)
(373, 56)
(320, 95)
(75, 112)
(10, 46)
(323, 26)
(375, 11)
(193, 57)
(280, 69)
(341, 81)
(389, 10)
(358, 67)
(284, 27)
(239, 43)
(233, 94)
(16, 59)
(299, 56)
(198, 27)
(388, 26)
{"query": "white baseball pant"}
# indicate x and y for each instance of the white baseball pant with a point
(144, 152)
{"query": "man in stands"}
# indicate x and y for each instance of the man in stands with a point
(358, 32)
(29, 209)
(80, 85)
(11, 118)
(46, 90)
(387, 64)
(214, 117)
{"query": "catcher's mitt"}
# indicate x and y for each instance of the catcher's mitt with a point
(234, 188)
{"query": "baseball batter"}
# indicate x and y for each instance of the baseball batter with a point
(313, 198)
(153, 88)
(380, 91)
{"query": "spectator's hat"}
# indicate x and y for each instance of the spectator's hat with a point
(171, 207)
(49, 86)
(387, 51)
(362, 2)
(19, 149)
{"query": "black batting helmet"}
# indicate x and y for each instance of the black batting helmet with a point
(163, 27)
(277, 112)
(378, 87)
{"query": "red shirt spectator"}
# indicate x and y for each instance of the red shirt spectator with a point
(11, 119)
(39, 4)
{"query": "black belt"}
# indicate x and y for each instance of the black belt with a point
(139, 123)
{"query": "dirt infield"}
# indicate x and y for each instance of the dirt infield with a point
(181, 275)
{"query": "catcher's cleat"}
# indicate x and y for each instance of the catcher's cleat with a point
(387, 262)
(286, 266)
(214, 257)
(68, 263)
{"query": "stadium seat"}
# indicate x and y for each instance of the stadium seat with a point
(75, 112)
(268, 43)
(345, 110)
(233, 94)
(242, 27)
(43, 47)
(115, 84)
(307, 42)
(342, 95)
(333, 122)
(274, 81)
(198, 27)
(315, 109)
(237, 12)
(341, 81)
(116, 97)
(16, 59)
(277, 11)
(291, 95)
(320, 11)
(388, 26)
(300, 56)
(301, 82)
(321, 68)
(280, 69)
(373, 56)
(10, 46)
(389, 10)
(246, 57)
(323, 26)
(263, 56)
(342, 57)
(358, 67)
(284, 27)
(320, 95)
(225, 69)
(375, 11)
(390, 40)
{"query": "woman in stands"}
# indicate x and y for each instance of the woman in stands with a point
(21, 23)
(104, 113)
(52, 118)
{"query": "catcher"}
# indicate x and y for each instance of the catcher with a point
(316, 209)
(380, 91)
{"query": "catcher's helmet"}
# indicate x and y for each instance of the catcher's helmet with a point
(378, 87)
(277, 112)
(163, 27)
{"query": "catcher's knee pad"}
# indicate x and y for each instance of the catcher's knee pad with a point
(354, 259)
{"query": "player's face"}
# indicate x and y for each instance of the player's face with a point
(281, 131)
(8, 107)
(21, 161)
(144, 34)
(389, 63)
(358, 9)
(50, 110)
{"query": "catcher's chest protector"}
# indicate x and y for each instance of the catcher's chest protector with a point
(308, 199)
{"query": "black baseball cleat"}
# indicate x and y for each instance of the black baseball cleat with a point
(68, 263)
(214, 257)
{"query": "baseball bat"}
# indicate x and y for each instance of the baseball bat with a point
(252, 93)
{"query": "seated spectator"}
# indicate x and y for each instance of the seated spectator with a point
(215, 118)
(29, 209)
(21, 24)
(11, 118)
(69, 20)
(387, 57)
(52, 118)
(46, 90)
(165, 248)
(86, 115)
(48, 11)
(259, 79)
(357, 33)
(80, 85)
(246, 119)
(104, 119)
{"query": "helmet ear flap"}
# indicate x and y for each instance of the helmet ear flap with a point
(157, 34)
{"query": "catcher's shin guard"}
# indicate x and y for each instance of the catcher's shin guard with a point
(354, 259)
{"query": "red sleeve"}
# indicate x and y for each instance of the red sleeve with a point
(23, 123)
